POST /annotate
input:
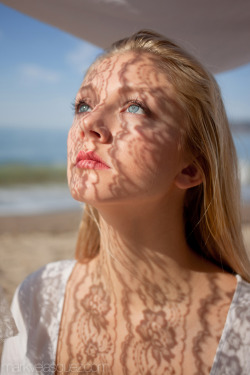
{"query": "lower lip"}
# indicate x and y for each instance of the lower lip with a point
(91, 164)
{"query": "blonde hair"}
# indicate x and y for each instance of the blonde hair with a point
(212, 209)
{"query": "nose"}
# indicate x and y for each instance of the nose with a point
(93, 127)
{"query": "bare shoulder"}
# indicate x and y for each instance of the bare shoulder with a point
(227, 282)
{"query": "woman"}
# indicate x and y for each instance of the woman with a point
(160, 281)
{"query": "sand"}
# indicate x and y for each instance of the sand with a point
(29, 242)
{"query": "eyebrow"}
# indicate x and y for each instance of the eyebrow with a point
(135, 89)
(125, 88)
(86, 87)
(149, 95)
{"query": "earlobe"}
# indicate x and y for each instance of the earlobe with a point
(189, 176)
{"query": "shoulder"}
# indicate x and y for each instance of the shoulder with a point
(40, 294)
(241, 300)
(233, 355)
(37, 307)
(49, 278)
(51, 272)
(242, 293)
(239, 312)
(238, 320)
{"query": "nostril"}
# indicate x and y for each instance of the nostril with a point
(96, 133)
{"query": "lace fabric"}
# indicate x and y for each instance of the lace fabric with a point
(37, 309)
(7, 324)
(233, 353)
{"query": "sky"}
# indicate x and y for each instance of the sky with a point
(41, 69)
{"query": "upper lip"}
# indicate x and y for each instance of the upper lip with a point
(89, 155)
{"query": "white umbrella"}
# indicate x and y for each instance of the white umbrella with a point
(216, 31)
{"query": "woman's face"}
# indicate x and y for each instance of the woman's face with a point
(124, 143)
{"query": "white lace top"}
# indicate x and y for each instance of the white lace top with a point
(7, 324)
(37, 309)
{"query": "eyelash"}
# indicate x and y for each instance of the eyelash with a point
(139, 103)
(76, 104)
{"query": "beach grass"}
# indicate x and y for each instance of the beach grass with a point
(13, 174)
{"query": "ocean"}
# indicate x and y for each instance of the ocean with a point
(47, 148)
(33, 148)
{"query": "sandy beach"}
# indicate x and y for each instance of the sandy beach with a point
(29, 242)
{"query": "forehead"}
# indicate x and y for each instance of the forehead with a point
(129, 69)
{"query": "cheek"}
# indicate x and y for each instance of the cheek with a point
(146, 146)
(82, 183)
(147, 159)
(73, 144)
(70, 148)
(70, 156)
(73, 140)
(138, 155)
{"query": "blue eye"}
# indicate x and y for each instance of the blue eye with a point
(83, 107)
(135, 108)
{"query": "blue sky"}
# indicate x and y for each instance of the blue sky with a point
(41, 69)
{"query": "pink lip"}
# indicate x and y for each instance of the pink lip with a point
(90, 160)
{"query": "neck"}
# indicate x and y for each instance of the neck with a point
(146, 248)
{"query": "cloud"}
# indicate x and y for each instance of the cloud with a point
(36, 73)
(83, 56)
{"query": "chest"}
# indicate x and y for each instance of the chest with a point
(98, 336)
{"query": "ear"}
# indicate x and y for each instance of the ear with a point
(188, 177)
